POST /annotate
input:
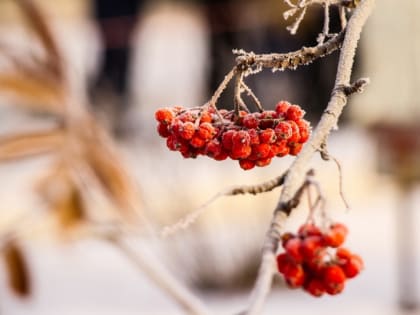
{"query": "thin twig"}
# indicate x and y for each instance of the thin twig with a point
(222, 87)
(238, 101)
(189, 219)
(343, 17)
(297, 171)
(326, 27)
(253, 96)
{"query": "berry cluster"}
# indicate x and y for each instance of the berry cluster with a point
(251, 138)
(314, 260)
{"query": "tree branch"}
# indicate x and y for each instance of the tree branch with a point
(291, 60)
(297, 171)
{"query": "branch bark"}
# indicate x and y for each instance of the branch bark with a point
(298, 169)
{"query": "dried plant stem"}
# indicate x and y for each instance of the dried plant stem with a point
(189, 219)
(297, 171)
(155, 270)
(253, 96)
(222, 87)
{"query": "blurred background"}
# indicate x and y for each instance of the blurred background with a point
(132, 57)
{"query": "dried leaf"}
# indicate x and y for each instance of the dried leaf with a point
(17, 269)
(39, 25)
(25, 145)
(111, 175)
(38, 95)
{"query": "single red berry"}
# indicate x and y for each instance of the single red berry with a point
(343, 253)
(304, 130)
(267, 136)
(223, 155)
(213, 148)
(284, 262)
(352, 266)
(281, 149)
(281, 108)
(283, 130)
(250, 121)
(163, 130)
(334, 279)
(294, 112)
(172, 143)
(286, 236)
(240, 152)
(197, 142)
(309, 229)
(311, 247)
(164, 115)
(295, 149)
(295, 137)
(293, 248)
(263, 162)
(205, 117)
(187, 116)
(260, 151)
(227, 139)
(206, 131)
(241, 138)
(246, 164)
(336, 235)
(315, 287)
(185, 130)
(253, 136)
(295, 276)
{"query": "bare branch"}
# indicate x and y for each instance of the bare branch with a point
(296, 174)
(290, 60)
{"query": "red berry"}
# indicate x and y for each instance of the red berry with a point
(311, 247)
(336, 235)
(260, 151)
(281, 108)
(352, 266)
(246, 164)
(343, 253)
(253, 136)
(284, 262)
(250, 121)
(206, 131)
(294, 112)
(286, 236)
(309, 229)
(227, 139)
(241, 138)
(197, 142)
(263, 162)
(240, 152)
(267, 136)
(315, 287)
(295, 149)
(205, 117)
(295, 276)
(304, 130)
(185, 130)
(281, 149)
(164, 115)
(293, 249)
(163, 130)
(213, 148)
(295, 137)
(334, 279)
(283, 130)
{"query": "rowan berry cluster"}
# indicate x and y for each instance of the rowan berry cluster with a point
(251, 138)
(313, 260)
